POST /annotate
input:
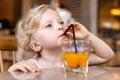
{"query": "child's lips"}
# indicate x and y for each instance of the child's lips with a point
(64, 36)
(61, 35)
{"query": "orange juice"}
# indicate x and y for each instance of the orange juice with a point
(75, 60)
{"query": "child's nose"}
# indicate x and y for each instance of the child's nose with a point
(61, 28)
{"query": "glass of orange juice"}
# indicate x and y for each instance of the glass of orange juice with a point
(76, 54)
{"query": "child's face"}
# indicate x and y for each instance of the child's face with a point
(51, 28)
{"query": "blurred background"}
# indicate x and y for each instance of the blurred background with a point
(101, 17)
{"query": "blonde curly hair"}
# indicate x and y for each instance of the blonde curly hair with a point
(25, 30)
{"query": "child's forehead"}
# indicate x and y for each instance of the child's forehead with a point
(49, 10)
(50, 14)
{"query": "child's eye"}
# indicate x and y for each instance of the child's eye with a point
(49, 25)
(61, 22)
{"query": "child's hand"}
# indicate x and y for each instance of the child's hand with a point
(80, 31)
(21, 76)
(24, 66)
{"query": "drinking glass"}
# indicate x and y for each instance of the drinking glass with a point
(76, 54)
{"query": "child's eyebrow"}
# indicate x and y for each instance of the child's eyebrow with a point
(60, 20)
(46, 23)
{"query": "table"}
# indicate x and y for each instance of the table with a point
(94, 73)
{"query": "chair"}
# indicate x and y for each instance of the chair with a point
(7, 44)
(118, 51)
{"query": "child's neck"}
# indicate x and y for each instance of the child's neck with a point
(51, 56)
(51, 59)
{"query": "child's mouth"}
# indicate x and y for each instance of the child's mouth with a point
(65, 33)
(65, 36)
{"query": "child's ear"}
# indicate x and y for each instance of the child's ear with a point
(35, 46)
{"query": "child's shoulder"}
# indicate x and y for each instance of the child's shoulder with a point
(34, 59)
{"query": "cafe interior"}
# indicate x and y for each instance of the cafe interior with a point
(101, 17)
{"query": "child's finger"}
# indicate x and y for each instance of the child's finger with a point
(18, 67)
(22, 68)
(31, 66)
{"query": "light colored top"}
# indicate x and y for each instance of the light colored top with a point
(40, 66)
(35, 61)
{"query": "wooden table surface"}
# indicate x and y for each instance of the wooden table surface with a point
(94, 73)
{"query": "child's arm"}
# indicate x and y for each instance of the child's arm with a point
(24, 66)
(102, 51)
